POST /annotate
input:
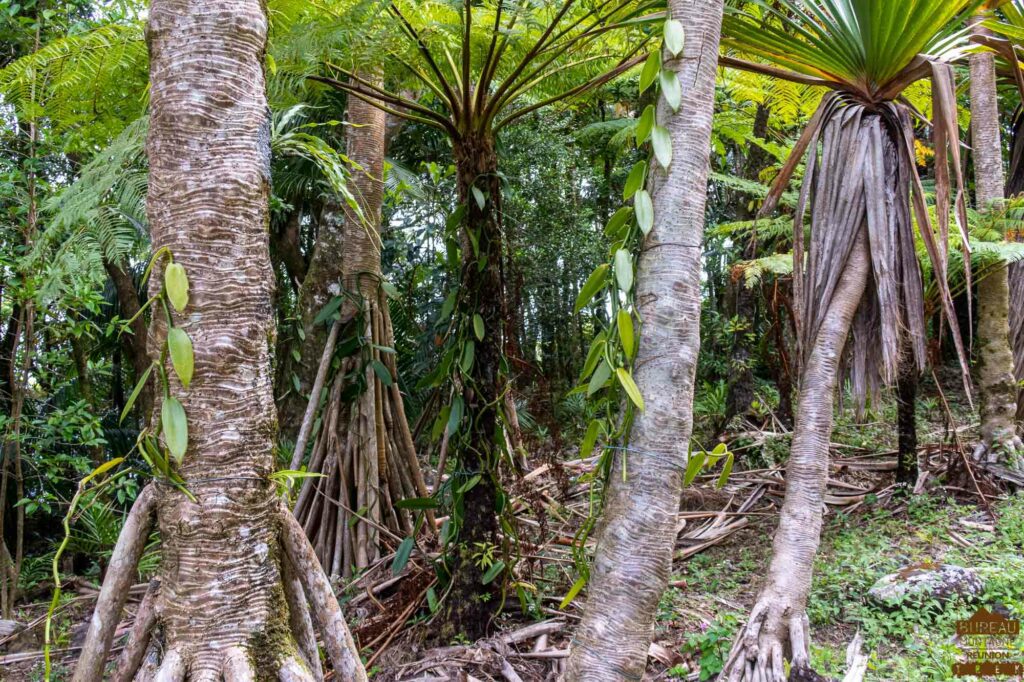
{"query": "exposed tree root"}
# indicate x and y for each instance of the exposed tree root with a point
(759, 652)
(1008, 452)
(294, 670)
(172, 669)
(300, 621)
(138, 639)
(338, 640)
(237, 667)
(120, 575)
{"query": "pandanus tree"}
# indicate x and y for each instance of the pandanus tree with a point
(237, 573)
(861, 280)
(482, 66)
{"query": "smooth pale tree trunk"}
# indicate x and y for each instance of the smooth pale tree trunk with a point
(634, 553)
(996, 381)
(221, 604)
(778, 627)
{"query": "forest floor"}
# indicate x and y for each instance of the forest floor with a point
(871, 530)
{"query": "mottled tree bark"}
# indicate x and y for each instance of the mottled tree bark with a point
(221, 602)
(996, 382)
(634, 553)
(906, 414)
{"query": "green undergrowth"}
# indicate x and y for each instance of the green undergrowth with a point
(910, 643)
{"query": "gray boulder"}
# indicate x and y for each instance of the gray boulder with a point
(919, 583)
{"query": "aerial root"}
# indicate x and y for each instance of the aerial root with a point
(172, 669)
(294, 670)
(759, 652)
(120, 574)
(300, 621)
(138, 639)
(237, 667)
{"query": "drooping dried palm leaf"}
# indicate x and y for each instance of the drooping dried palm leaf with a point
(861, 170)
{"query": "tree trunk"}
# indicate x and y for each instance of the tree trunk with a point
(135, 342)
(470, 602)
(906, 404)
(634, 555)
(221, 602)
(996, 383)
(778, 622)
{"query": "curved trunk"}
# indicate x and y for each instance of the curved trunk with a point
(221, 604)
(777, 622)
(996, 381)
(634, 556)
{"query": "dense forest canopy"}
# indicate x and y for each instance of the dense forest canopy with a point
(511, 339)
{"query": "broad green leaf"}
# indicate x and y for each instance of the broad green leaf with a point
(630, 387)
(693, 467)
(478, 194)
(726, 471)
(595, 353)
(590, 438)
(573, 591)
(675, 37)
(468, 356)
(182, 357)
(135, 393)
(618, 221)
(670, 88)
(662, 141)
(176, 284)
(644, 211)
(432, 602)
(635, 181)
(478, 327)
(390, 290)
(626, 332)
(455, 416)
(601, 376)
(650, 71)
(175, 427)
(493, 572)
(470, 484)
(382, 372)
(593, 285)
(624, 270)
(328, 311)
(645, 125)
(402, 556)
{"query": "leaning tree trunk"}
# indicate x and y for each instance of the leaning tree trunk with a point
(364, 447)
(778, 622)
(634, 555)
(221, 603)
(998, 388)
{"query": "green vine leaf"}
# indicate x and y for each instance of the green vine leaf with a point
(593, 285)
(693, 467)
(670, 88)
(650, 71)
(626, 333)
(645, 125)
(644, 212)
(630, 387)
(635, 181)
(176, 284)
(601, 376)
(662, 141)
(481, 200)
(182, 355)
(175, 425)
(478, 327)
(402, 555)
(590, 438)
(624, 270)
(675, 37)
(617, 222)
